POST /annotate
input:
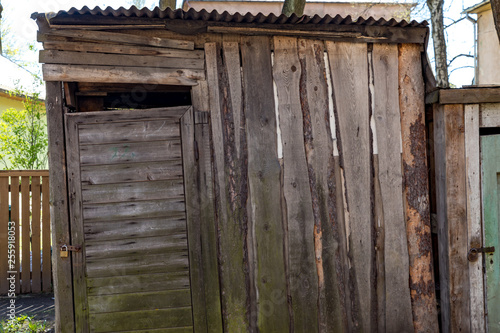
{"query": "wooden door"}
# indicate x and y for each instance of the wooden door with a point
(128, 213)
(490, 160)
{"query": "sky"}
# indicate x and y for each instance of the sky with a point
(23, 29)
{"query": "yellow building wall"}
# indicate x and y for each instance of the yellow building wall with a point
(8, 103)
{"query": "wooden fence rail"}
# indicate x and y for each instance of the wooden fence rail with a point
(25, 243)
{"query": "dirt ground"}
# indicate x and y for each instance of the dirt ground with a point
(39, 306)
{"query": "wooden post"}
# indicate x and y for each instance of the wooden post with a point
(416, 189)
(61, 267)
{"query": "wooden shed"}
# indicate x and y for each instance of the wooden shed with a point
(237, 173)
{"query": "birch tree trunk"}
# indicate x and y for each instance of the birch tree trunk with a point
(439, 42)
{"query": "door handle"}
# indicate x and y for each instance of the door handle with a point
(473, 254)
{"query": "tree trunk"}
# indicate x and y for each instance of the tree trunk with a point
(495, 7)
(293, 6)
(439, 41)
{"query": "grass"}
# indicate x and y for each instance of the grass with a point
(23, 324)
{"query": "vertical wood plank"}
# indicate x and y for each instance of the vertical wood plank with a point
(416, 188)
(388, 133)
(61, 267)
(474, 226)
(348, 64)
(76, 223)
(264, 185)
(192, 195)
(36, 282)
(320, 161)
(4, 221)
(46, 244)
(230, 198)
(25, 235)
(14, 203)
(303, 278)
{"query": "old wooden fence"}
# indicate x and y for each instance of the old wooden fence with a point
(25, 243)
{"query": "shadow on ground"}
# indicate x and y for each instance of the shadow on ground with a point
(38, 306)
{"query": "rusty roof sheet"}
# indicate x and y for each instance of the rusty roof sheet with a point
(226, 17)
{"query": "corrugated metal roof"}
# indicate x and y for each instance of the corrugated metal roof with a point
(225, 17)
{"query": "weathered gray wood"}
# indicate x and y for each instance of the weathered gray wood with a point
(103, 59)
(170, 114)
(118, 153)
(299, 207)
(136, 320)
(469, 95)
(489, 115)
(139, 209)
(123, 38)
(230, 202)
(140, 301)
(76, 224)
(117, 74)
(348, 65)
(416, 188)
(137, 283)
(264, 185)
(388, 133)
(128, 131)
(472, 160)
(320, 164)
(129, 192)
(131, 172)
(131, 228)
(61, 267)
(124, 49)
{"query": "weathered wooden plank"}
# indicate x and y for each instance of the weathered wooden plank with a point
(18, 173)
(103, 59)
(76, 225)
(117, 74)
(192, 197)
(129, 192)
(25, 235)
(131, 172)
(14, 205)
(474, 227)
(61, 268)
(124, 49)
(134, 131)
(136, 320)
(169, 114)
(4, 227)
(416, 188)
(36, 282)
(140, 301)
(118, 153)
(140, 209)
(265, 214)
(187, 329)
(46, 243)
(469, 95)
(123, 38)
(348, 65)
(489, 115)
(388, 133)
(137, 283)
(230, 201)
(133, 228)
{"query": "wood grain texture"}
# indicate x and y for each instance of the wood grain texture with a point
(14, 203)
(170, 114)
(46, 242)
(4, 225)
(474, 225)
(230, 197)
(264, 185)
(117, 74)
(303, 278)
(348, 64)
(36, 282)
(25, 235)
(61, 267)
(388, 134)
(329, 247)
(489, 114)
(416, 188)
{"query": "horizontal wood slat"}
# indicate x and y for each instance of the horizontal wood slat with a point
(98, 117)
(102, 59)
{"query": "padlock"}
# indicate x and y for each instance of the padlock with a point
(64, 251)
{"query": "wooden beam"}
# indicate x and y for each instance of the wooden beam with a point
(469, 95)
(61, 268)
(117, 74)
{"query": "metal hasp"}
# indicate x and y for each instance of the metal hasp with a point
(473, 254)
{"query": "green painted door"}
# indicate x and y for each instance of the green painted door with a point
(490, 165)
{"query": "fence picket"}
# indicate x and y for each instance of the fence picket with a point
(25, 235)
(14, 216)
(4, 219)
(36, 285)
(46, 262)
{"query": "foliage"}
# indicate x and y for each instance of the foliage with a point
(138, 3)
(23, 324)
(23, 135)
